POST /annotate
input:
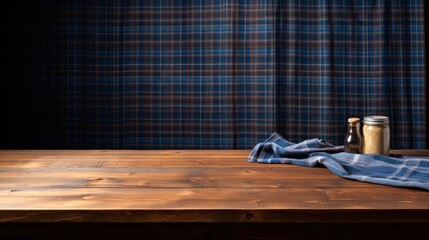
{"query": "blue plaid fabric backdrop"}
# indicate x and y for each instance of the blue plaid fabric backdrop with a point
(211, 74)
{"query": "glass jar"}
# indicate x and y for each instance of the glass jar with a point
(353, 140)
(376, 135)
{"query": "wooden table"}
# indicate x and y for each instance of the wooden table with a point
(197, 193)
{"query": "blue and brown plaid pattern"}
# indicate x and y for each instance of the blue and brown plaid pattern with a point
(398, 171)
(217, 74)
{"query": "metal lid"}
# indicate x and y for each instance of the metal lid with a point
(376, 119)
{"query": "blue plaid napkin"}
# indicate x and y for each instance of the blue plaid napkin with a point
(398, 171)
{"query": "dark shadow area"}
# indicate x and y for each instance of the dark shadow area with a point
(267, 231)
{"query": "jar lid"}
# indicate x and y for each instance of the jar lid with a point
(376, 119)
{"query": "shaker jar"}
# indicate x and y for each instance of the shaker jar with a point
(376, 135)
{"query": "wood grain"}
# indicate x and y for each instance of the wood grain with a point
(190, 186)
(249, 177)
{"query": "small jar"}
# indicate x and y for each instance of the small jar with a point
(376, 135)
(353, 139)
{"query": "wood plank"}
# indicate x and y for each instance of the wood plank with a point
(212, 198)
(411, 152)
(185, 153)
(115, 162)
(119, 158)
(285, 176)
(136, 158)
(212, 205)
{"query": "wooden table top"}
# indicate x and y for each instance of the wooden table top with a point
(189, 186)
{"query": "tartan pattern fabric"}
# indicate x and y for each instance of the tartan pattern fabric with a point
(396, 170)
(214, 74)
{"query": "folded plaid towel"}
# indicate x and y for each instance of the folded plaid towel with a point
(398, 171)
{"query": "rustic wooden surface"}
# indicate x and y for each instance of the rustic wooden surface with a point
(189, 186)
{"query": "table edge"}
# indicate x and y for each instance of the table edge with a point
(215, 216)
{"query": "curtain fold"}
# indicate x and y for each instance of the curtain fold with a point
(214, 74)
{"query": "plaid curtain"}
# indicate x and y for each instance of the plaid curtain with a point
(210, 74)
